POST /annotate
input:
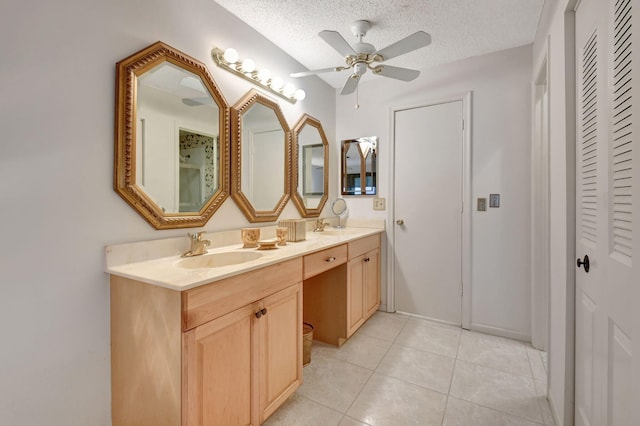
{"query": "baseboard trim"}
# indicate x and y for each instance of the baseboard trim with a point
(429, 319)
(502, 332)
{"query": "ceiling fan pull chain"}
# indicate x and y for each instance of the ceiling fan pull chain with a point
(357, 102)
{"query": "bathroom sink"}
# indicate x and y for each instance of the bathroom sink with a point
(217, 260)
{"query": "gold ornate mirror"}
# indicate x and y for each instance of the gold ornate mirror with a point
(261, 158)
(359, 166)
(310, 167)
(172, 124)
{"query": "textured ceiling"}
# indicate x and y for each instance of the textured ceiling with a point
(459, 28)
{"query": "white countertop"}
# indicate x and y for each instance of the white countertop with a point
(164, 271)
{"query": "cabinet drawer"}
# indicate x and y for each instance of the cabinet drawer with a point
(324, 260)
(363, 245)
(202, 304)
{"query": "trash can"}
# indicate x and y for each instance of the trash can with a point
(307, 338)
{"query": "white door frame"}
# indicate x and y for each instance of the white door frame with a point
(466, 207)
(540, 193)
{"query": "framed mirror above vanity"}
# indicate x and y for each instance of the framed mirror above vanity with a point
(359, 166)
(260, 157)
(172, 124)
(310, 167)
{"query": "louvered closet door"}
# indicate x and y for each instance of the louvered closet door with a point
(607, 296)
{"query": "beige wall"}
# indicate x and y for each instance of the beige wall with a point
(500, 145)
(58, 206)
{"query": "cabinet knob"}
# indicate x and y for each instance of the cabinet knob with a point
(400, 222)
(367, 259)
(330, 259)
(258, 314)
(261, 312)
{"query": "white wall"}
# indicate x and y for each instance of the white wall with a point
(555, 34)
(59, 209)
(501, 109)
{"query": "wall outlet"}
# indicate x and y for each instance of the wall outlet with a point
(379, 203)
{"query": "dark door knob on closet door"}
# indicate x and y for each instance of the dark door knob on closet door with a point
(584, 263)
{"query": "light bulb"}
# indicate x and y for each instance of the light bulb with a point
(230, 55)
(300, 94)
(277, 83)
(264, 75)
(248, 65)
(288, 90)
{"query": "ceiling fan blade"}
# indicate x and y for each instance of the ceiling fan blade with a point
(335, 40)
(410, 43)
(314, 72)
(404, 74)
(351, 84)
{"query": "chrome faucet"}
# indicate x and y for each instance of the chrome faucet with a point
(198, 245)
(320, 225)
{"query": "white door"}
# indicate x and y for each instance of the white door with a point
(607, 388)
(427, 209)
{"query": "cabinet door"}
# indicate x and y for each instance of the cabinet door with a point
(372, 282)
(355, 294)
(280, 348)
(217, 371)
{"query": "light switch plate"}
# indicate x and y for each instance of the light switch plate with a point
(379, 203)
(482, 204)
(494, 200)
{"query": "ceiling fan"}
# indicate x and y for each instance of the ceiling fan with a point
(363, 56)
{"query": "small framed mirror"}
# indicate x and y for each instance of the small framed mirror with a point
(359, 166)
(172, 124)
(310, 166)
(261, 158)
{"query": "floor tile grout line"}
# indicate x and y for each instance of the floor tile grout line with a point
(320, 404)
(535, 386)
(375, 370)
(498, 410)
(453, 372)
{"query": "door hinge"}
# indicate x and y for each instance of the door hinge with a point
(462, 124)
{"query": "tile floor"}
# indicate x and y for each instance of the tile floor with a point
(399, 370)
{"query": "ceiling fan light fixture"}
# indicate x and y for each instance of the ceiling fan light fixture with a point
(361, 55)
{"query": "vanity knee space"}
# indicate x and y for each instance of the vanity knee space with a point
(341, 294)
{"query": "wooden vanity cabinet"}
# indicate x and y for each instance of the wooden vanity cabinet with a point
(363, 281)
(225, 356)
(340, 299)
(229, 352)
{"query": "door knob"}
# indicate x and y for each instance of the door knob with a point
(400, 222)
(584, 263)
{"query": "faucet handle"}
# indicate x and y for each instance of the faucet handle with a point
(196, 236)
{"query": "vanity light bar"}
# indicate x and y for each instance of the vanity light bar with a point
(246, 68)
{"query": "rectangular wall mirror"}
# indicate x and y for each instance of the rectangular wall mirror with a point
(359, 166)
